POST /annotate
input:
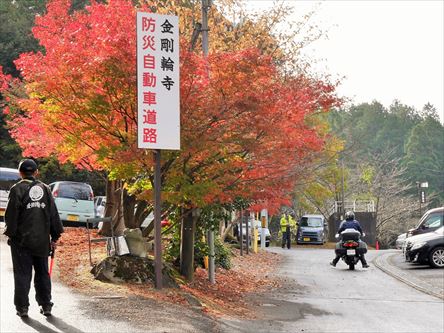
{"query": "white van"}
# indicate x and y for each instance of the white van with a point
(8, 177)
(74, 201)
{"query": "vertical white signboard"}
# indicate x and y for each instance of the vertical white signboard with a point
(158, 86)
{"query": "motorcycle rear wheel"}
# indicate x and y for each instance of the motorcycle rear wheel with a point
(351, 266)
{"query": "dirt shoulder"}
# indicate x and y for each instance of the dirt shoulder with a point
(250, 274)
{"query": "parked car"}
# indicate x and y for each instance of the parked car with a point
(99, 205)
(74, 201)
(8, 177)
(426, 248)
(252, 224)
(401, 240)
(267, 236)
(312, 229)
(430, 221)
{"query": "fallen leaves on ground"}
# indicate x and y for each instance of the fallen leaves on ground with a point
(252, 273)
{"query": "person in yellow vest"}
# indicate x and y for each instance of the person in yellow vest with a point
(293, 225)
(287, 223)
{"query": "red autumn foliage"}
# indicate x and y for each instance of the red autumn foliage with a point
(245, 131)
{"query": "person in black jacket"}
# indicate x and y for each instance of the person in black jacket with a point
(33, 227)
(350, 223)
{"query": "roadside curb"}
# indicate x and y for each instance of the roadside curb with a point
(381, 262)
(192, 300)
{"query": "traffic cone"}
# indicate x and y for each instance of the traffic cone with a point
(377, 246)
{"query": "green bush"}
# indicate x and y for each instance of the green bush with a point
(223, 254)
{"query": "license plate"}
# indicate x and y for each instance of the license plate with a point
(306, 239)
(351, 252)
(72, 217)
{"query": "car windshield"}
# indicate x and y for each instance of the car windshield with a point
(7, 179)
(311, 222)
(434, 220)
(74, 191)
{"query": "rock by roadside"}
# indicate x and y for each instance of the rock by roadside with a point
(131, 269)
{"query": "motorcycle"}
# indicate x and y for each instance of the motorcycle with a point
(350, 247)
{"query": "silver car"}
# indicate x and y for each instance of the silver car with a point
(401, 240)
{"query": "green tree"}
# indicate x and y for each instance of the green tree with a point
(16, 21)
(424, 157)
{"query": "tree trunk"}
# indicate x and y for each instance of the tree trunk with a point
(141, 212)
(233, 220)
(129, 203)
(114, 208)
(187, 243)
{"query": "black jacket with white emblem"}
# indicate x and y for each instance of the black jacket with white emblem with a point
(31, 217)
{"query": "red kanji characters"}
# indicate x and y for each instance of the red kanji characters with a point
(149, 61)
(149, 80)
(148, 42)
(148, 24)
(150, 117)
(149, 98)
(150, 135)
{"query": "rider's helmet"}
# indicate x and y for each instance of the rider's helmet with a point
(349, 216)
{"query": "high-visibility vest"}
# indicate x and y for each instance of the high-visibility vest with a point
(284, 224)
(291, 221)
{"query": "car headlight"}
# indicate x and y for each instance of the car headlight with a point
(418, 245)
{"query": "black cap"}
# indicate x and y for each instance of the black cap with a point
(27, 165)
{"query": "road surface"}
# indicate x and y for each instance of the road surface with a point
(315, 298)
(75, 313)
(320, 298)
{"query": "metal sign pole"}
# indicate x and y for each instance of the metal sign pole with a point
(247, 236)
(157, 221)
(241, 231)
(205, 6)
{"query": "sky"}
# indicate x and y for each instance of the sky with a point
(382, 50)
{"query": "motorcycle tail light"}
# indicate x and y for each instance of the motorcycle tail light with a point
(351, 244)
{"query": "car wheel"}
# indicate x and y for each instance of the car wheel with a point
(436, 257)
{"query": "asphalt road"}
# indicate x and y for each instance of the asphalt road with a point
(315, 298)
(421, 277)
(320, 298)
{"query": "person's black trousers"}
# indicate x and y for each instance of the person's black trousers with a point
(286, 238)
(23, 262)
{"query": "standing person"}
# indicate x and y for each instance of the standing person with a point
(350, 223)
(33, 227)
(285, 229)
(292, 223)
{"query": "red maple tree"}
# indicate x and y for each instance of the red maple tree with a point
(245, 130)
(243, 127)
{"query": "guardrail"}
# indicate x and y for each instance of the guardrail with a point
(356, 206)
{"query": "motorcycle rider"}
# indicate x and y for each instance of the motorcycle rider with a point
(350, 223)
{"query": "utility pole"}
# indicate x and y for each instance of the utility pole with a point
(206, 4)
